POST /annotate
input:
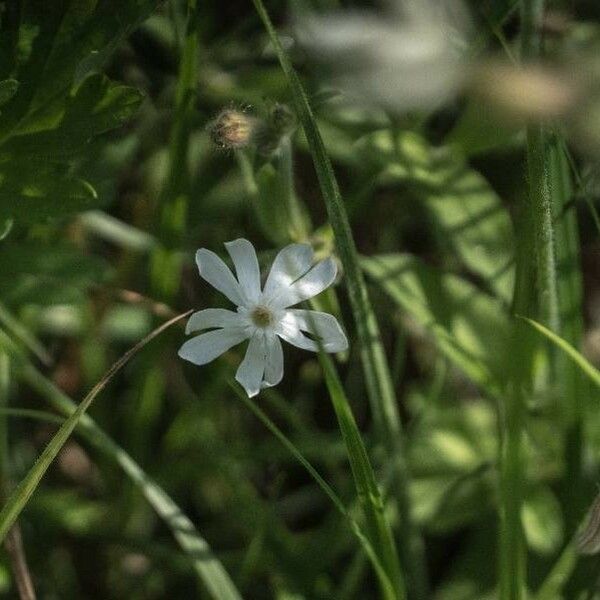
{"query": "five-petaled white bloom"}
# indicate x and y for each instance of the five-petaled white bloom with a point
(263, 316)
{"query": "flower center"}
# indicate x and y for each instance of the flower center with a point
(262, 316)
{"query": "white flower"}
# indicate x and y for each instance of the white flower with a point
(263, 316)
(410, 58)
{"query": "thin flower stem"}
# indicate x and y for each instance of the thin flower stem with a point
(570, 383)
(388, 590)
(166, 261)
(379, 384)
(297, 223)
(16, 552)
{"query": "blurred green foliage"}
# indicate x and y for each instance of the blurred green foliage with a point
(87, 96)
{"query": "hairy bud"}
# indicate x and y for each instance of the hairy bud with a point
(232, 129)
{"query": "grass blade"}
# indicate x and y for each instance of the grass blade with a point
(369, 495)
(571, 352)
(379, 384)
(209, 569)
(387, 588)
(18, 499)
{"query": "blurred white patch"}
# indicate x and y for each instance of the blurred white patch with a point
(412, 57)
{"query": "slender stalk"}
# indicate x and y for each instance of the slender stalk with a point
(369, 496)
(16, 551)
(571, 385)
(14, 542)
(379, 384)
(165, 266)
(388, 590)
(535, 259)
(298, 225)
(539, 172)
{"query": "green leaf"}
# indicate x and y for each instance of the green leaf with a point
(52, 46)
(28, 195)
(96, 106)
(469, 327)
(479, 130)
(467, 210)
(451, 453)
(34, 274)
(542, 521)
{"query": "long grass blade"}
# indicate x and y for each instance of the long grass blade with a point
(379, 383)
(369, 495)
(18, 499)
(209, 569)
(580, 360)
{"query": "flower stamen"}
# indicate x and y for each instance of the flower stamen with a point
(262, 316)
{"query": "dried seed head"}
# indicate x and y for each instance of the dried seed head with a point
(232, 129)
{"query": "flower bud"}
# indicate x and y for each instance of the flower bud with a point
(232, 129)
(282, 119)
(278, 125)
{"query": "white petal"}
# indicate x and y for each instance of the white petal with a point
(319, 324)
(206, 347)
(274, 362)
(322, 326)
(320, 277)
(251, 369)
(290, 264)
(217, 273)
(214, 317)
(292, 335)
(246, 267)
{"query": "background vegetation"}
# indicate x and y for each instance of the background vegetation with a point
(482, 436)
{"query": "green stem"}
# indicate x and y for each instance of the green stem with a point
(571, 385)
(4, 391)
(379, 384)
(369, 496)
(540, 185)
(389, 590)
(296, 219)
(542, 204)
(166, 261)
(535, 257)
